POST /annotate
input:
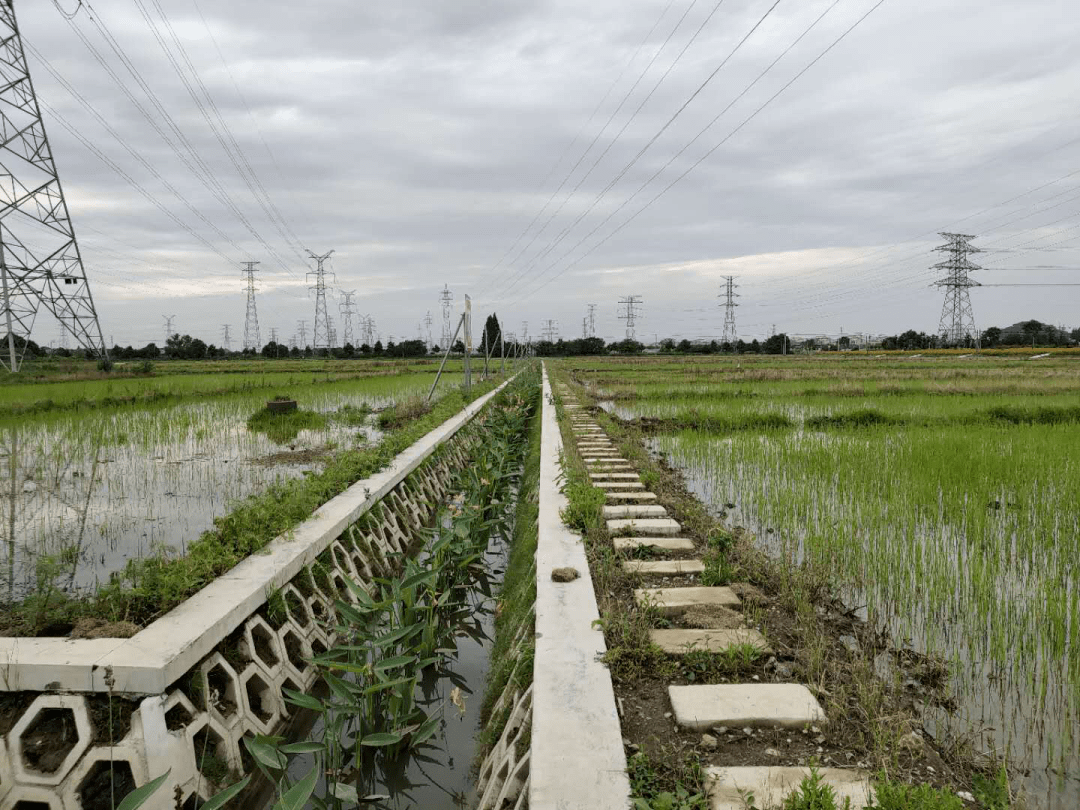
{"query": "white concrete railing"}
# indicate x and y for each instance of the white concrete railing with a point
(161, 653)
(576, 758)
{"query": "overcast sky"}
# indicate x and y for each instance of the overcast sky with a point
(495, 147)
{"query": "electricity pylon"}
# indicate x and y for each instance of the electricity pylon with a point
(301, 328)
(40, 263)
(427, 322)
(957, 319)
(168, 329)
(226, 340)
(446, 298)
(592, 320)
(321, 337)
(630, 313)
(551, 330)
(347, 312)
(251, 320)
(729, 295)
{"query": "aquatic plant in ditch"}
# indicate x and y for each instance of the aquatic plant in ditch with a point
(390, 637)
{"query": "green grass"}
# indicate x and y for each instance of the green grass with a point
(939, 494)
(285, 427)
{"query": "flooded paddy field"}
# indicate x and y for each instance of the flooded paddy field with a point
(939, 495)
(84, 490)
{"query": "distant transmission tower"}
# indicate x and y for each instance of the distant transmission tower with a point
(447, 299)
(584, 328)
(957, 320)
(321, 337)
(592, 320)
(301, 328)
(168, 327)
(729, 295)
(40, 263)
(427, 322)
(551, 330)
(630, 313)
(368, 330)
(273, 334)
(347, 312)
(226, 340)
(251, 320)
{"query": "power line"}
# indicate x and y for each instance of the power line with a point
(706, 155)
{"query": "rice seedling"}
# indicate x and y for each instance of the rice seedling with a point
(938, 497)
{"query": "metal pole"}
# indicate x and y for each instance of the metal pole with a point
(14, 361)
(502, 350)
(446, 354)
(467, 315)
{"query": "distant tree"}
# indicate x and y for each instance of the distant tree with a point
(1075, 335)
(667, 345)
(684, 346)
(365, 349)
(628, 346)
(490, 336)
(378, 350)
(348, 350)
(844, 342)
(775, 344)
(435, 349)
(294, 351)
(459, 347)
(991, 337)
(755, 346)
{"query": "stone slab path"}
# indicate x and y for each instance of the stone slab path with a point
(634, 524)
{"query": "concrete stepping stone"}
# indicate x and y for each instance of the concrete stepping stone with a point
(612, 487)
(631, 496)
(679, 642)
(771, 785)
(769, 705)
(621, 476)
(664, 567)
(662, 526)
(634, 510)
(665, 543)
(673, 601)
(602, 462)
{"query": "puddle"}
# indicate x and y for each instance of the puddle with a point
(96, 489)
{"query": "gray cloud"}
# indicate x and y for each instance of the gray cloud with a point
(416, 139)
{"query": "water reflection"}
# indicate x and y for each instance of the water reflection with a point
(87, 492)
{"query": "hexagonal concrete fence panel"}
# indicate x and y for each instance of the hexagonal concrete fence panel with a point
(49, 738)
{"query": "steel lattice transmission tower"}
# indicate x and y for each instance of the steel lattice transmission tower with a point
(321, 337)
(226, 338)
(40, 263)
(729, 295)
(592, 320)
(446, 298)
(957, 320)
(251, 320)
(427, 322)
(630, 313)
(347, 312)
(551, 330)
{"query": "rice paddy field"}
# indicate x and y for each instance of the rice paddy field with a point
(939, 493)
(95, 472)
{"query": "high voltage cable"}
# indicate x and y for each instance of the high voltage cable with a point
(671, 120)
(200, 169)
(254, 120)
(566, 151)
(603, 129)
(707, 154)
(201, 106)
(246, 171)
(542, 253)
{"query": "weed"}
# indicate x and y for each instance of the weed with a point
(653, 788)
